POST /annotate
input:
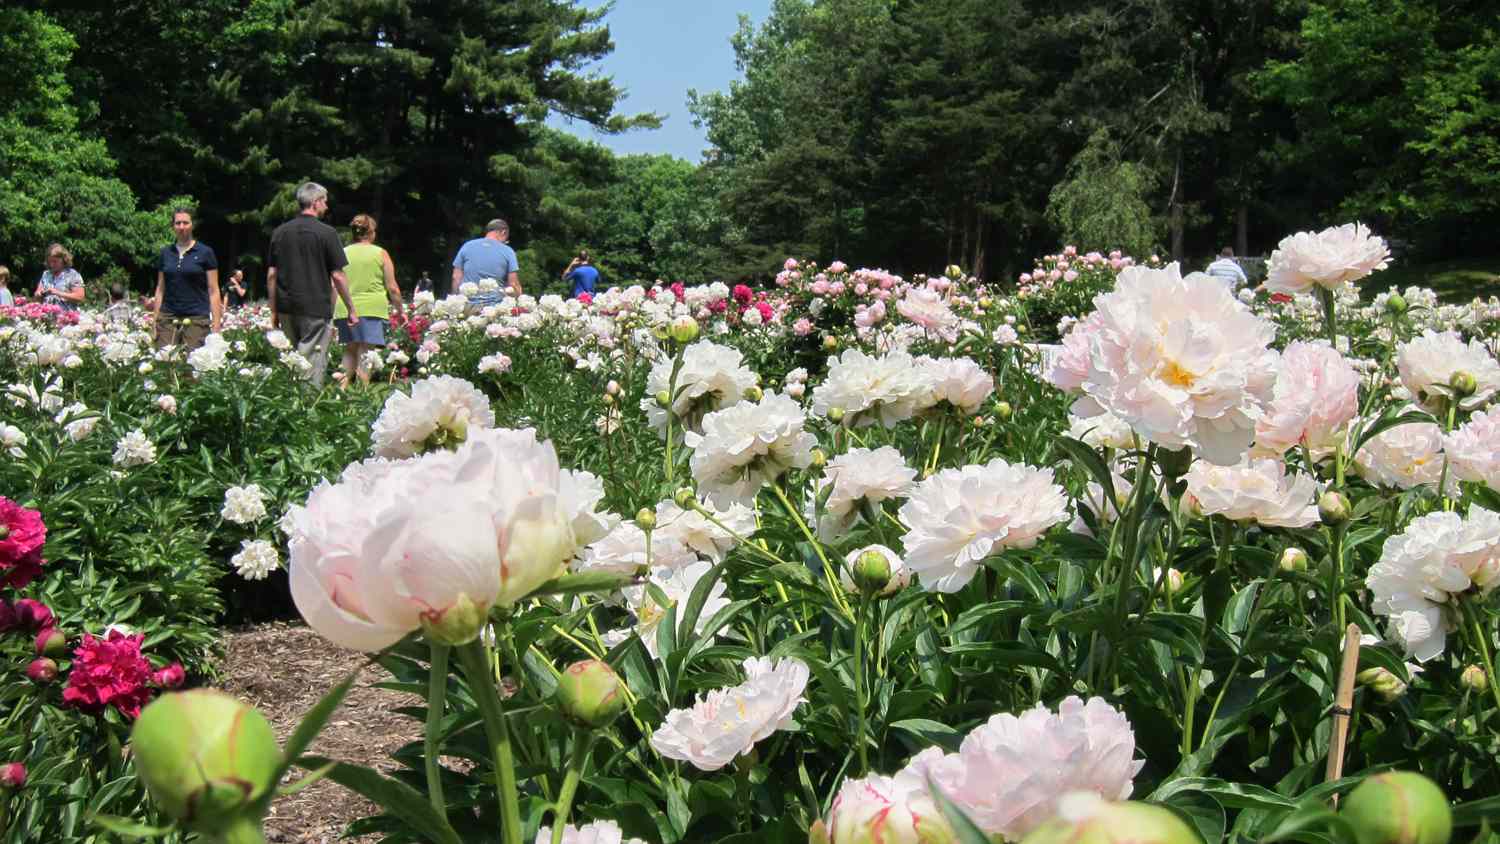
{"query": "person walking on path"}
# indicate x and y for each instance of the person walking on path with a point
(61, 285)
(7, 299)
(582, 274)
(488, 257)
(1227, 270)
(187, 305)
(372, 286)
(305, 256)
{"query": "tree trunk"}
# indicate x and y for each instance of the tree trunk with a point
(1242, 230)
(1175, 212)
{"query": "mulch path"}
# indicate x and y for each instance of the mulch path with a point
(283, 669)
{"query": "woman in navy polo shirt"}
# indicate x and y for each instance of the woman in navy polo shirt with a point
(187, 303)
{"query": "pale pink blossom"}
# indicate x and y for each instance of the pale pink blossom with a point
(1257, 491)
(1316, 394)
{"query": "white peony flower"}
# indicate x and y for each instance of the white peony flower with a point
(623, 550)
(1316, 394)
(1103, 431)
(598, 832)
(209, 358)
(1255, 490)
(579, 494)
(870, 390)
(1405, 457)
(134, 449)
(958, 517)
(858, 476)
(244, 504)
(278, 340)
(747, 445)
(711, 377)
(677, 583)
(926, 308)
(1474, 449)
(1426, 568)
(727, 723)
(1010, 771)
(12, 439)
(257, 559)
(1427, 363)
(694, 530)
(498, 363)
(299, 365)
(886, 810)
(1330, 259)
(167, 404)
(439, 412)
(960, 382)
(1185, 364)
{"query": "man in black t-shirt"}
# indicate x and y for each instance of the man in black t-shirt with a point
(305, 256)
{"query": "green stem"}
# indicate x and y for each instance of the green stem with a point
(1131, 539)
(476, 665)
(937, 446)
(583, 741)
(1336, 574)
(671, 410)
(1329, 323)
(242, 830)
(1482, 638)
(834, 588)
(859, 682)
(437, 697)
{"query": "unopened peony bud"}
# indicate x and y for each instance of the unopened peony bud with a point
(1190, 507)
(4, 532)
(1174, 464)
(607, 399)
(684, 329)
(1463, 384)
(42, 671)
(1293, 559)
(819, 459)
(1087, 818)
(1002, 410)
(871, 571)
(33, 615)
(171, 677)
(206, 758)
(1174, 581)
(684, 497)
(645, 518)
(830, 343)
(612, 388)
(51, 642)
(663, 399)
(754, 393)
(456, 625)
(1333, 508)
(590, 694)
(1395, 304)
(661, 331)
(985, 301)
(12, 775)
(818, 833)
(1474, 678)
(835, 414)
(1398, 807)
(954, 272)
(1382, 682)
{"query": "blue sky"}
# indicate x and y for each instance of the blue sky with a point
(663, 48)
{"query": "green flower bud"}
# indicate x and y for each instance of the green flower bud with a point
(835, 414)
(1174, 581)
(1002, 410)
(589, 693)
(1463, 384)
(51, 642)
(456, 625)
(1174, 464)
(1383, 683)
(1086, 818)
(1474, 678)
(1395, 304)
(819, 459)
(830, 343)
(645, 518)
(661, 332)
(1293, 559)
(607, 399)
(4, 532)
(685, 496)
(1333, 508)
(985, 301)
(684, 329)
(205, 757)
(1398, 807)
(663, 399)
(871, 572)
(954, 272)
(754, 393)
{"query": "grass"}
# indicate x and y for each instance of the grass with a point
(1457, 280)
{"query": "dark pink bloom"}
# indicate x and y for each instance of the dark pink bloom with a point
(12, 775)
(586, 298)
(51, 642)
(679, 290)
(22, 534)
(8, 620)
(765, 310)
(33, 615)
(109, 672)
(170, 677)
(742, 293)
(41, 670)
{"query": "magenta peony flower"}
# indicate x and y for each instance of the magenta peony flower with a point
(22, 534)
(33, 615)
(12, 775)
(170, 677)
(109, 672)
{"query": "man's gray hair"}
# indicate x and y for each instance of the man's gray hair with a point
(496, 225)
(310, 192)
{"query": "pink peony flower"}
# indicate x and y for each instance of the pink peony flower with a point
(1316, 394)
(743, 294)
(1255, 490)
(22, 534)
(837, 267)
(1328, 259)
(33, 615)
(1474, 449)
(791, 264)
(819, 287)
(802, 327)
(12, 775)
(109, 672)
(170, 677)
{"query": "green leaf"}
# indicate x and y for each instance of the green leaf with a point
(585, 582)
(931, 731)
(1089, 460)
(1388, 420)
(313, 722)
(128, 827)
(688, 619)
(288, 790)
(964, 830)
(397, 798)
(1477, 812)
(1309, 815)
(1230, 794)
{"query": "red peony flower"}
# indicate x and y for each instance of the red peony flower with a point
(32, 615)
(12, 775)
(586, 298)
(109, 672)
(170, 677)
(1280, 298)
(22, 534)
(743, 293)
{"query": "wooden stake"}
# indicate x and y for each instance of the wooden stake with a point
(1342, 706)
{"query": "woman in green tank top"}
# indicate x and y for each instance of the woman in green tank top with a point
(372, 286)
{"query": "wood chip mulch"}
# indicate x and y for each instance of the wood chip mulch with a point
(283, 669)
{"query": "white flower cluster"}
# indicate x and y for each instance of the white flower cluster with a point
(859, 476)
(1329, 259)
(134, 449)
(442, 406)
(244, 505)
(1427, 568)
(711, 377)
(748, 445)
(1428, 364)
(1257, 491)
(1474, 449)
(727, 723)
(256, 559)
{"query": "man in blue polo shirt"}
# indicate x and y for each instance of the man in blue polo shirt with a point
(187, 305)
(489, 257)
(581, 274)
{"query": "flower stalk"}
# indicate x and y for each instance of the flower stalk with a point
(477, 666)
(437, 696)
(583, 742)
